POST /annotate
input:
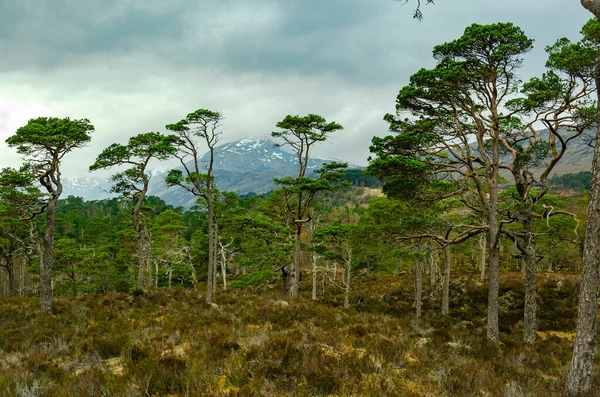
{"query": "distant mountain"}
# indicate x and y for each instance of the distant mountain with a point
(249, 165)
(88, 188)
(92, 187)
(244, 166)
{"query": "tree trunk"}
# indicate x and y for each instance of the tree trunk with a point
(530, 318)
(550, 254)
(170, 267)
(446, 294)
(483, 246)
(494, 269)
(23, 261)
(579, 382)
(10, 271)
(295, 273)
(156, 274)
(418, 286)
(348, 278)
(215, 255)
(432, 267)
(46, 265)
(140, 243)
(287, 279)
(211, 246)
(224, 267)
(314, 277)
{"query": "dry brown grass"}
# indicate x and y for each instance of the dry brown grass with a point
(167, 342)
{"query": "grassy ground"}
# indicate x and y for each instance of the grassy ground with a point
(168, 342)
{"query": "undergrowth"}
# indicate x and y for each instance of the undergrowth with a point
(168, 342)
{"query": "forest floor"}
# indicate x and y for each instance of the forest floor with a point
(167, 342)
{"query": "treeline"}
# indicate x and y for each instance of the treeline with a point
(95, 245)
(579, 181)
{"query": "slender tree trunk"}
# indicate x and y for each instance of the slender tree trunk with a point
(446, 294)
(34, 235)
(323, 281)
(348, 278)
(23, 261)
(170, 267)
(579, 382)
(149, 264)
(314, 277)
(419, 286)
(295, 273)
(215, 256)
(46, 265)
(2, 293)
(211, 247)
(551, 254)
(224, 267)
(432, 267)
(140, 247)
(494, 269)
(287, 279)
(530, 317)
(483, 246)
(10, 271)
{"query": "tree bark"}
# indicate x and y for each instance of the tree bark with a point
(530, 317)
(419, 286)
(295, 273)
(170, 267)
(10, 271)
(592, 6)
(211, 246)
(579, 382)
(348, 278)
(287, 279)
(314, 277)
(446, 294)
(483, 245)
(46, 265)
(224, 267)
(432, 267)
(215, 256)
(494, 268)
(23, 261)
(550, 255)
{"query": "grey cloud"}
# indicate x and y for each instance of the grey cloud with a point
(133, 66)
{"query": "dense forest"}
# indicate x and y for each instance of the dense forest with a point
(450, 266)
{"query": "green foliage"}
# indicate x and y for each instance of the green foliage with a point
(258, 277)
(360, 178)
(50, 136)
(304, 129)
(576, 181)
(137, 152)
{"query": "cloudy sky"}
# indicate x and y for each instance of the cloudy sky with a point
(132, 66)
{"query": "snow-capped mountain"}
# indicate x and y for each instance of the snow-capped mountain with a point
(95, 188)
(88, 187)
(244, 166)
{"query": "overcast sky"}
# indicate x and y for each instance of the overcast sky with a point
(132, 66)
